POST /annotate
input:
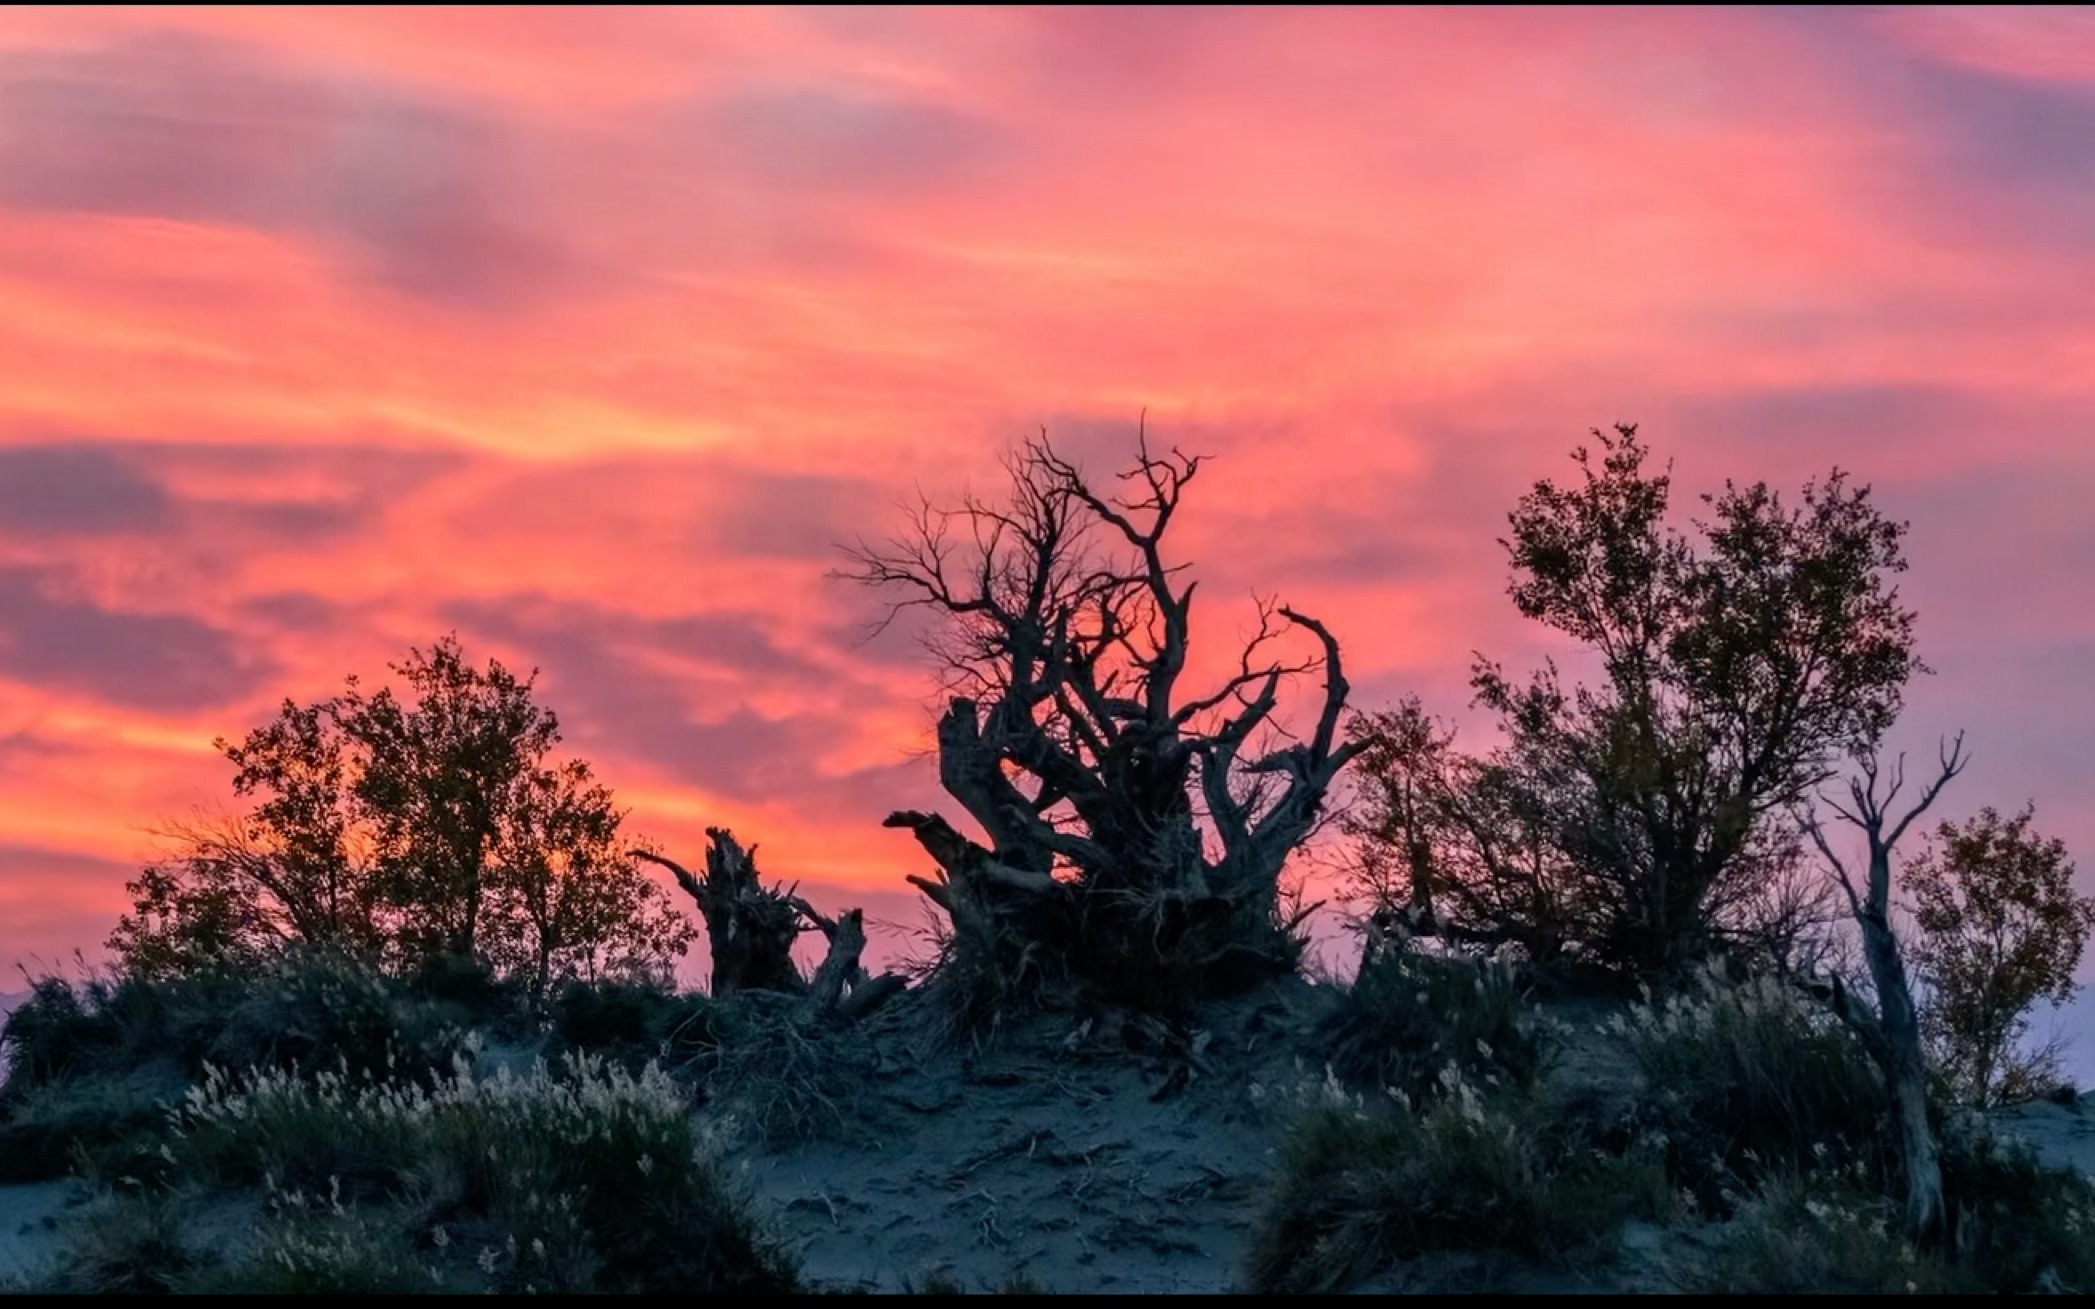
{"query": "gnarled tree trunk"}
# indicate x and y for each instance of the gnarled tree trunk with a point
(752, 927)
(1075, 750)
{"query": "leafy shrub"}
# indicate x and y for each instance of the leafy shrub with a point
(101, 1123)
(319, 1011)
(470, 987)
(636, 1021)
(89, 1066)
(1361, 1189)
(307, 1011)
(1748, 1076)
(1408, 1016)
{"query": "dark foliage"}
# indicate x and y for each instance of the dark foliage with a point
(2017, 1226)
(2001, 928)
(315, 1013)
(634, 1022)
(1747, 1078)
(1364, 1186)
(1643, 821)
(395, 830)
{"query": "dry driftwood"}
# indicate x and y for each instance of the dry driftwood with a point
(1892, 1033)
(752, 928)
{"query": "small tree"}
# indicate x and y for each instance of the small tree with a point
(1137, 829)
(2001, 928)
(398, 829)
(1735, 672)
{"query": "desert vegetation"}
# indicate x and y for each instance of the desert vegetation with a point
(1628, 1012)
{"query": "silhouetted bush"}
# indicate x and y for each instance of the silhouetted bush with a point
(314, 1012)
(105, 1124)
(635, 1022)
(305, 1011)
(101, 1025)
(471, 985)
(91, 1063)
(90, 1066)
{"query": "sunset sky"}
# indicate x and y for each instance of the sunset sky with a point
(588, 334)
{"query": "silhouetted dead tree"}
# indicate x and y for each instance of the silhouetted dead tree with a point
(1891, 1033)
(1137, 832)
(752, 927)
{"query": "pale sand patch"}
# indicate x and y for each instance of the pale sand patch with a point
(2062, 1135)
(32, 1225)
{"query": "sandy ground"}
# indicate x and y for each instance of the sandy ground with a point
(31, 1224)
(1073, 1157)
(2062, 1135)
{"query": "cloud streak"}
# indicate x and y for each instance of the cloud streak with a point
(591, 336)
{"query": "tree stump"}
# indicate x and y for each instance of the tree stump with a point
(752, 928)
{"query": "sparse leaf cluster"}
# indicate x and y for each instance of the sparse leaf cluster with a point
(2001, 928)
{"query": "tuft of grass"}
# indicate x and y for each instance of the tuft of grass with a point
(2016, 1225)
(128, 1243)
(1817, 1232)
(1408, 1016)
(1362, 1188)
(316, 1246)
(589, 1155)
(1750, 1079)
